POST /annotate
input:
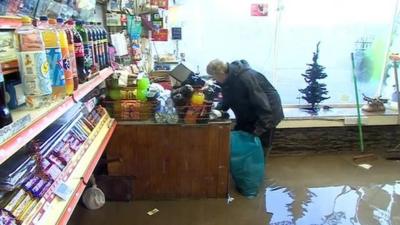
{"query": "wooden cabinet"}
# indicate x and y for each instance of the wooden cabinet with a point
(172, 161)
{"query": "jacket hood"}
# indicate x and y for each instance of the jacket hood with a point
(237, 67)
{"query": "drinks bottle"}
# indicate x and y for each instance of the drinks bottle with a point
(54, 57)
(33, 65)
(87, 48)
(79, 53)
(104, 38)
(96, 42)
(71, 47)
(90, 33)
(69, 77)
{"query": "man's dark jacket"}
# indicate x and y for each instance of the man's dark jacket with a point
(252, 98)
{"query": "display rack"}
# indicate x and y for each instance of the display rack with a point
(43, 117)
(54, 210)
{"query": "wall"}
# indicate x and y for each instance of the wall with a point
(334, 139)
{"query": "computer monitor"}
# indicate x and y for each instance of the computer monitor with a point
(180, 73)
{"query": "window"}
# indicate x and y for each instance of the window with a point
(281, 44)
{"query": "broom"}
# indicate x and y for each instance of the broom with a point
(362, 157)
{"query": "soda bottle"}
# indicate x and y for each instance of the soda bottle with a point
(91, 38)
(54, 57)
(87, 48)
(79, 53)
(69, 77)
(71, 47)
(5, 115)
(101, 50)
(33, 65)
(96, 42)
(104, 38)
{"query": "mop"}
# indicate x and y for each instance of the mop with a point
(362, 157)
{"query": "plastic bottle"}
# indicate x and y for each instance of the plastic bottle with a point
(71, 47)
(91, 40)
(100, 49)
(102, 46)
(104, 38)
(96, 43)
(87, 48)
(5, 115)
(33, 65)
(79, 53)
(54, 57)
(197, 98)
(69, 77)
(143, 85)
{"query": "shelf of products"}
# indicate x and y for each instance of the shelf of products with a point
(43, 117)
(54, 210)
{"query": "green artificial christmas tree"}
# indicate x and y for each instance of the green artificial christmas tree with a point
(315, 92)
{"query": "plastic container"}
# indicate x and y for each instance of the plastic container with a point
(92, 41)
(54, 57)
(143, 85)
(79, 53)
(104, 40)
(96, 44)
(101, 47)
(69, 77)
(68, 28)
(33, 65)
(197, 98)
(87, 48)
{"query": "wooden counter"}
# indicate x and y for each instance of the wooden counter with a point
(172, 161)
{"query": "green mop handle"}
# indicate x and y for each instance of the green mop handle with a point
(360, 133)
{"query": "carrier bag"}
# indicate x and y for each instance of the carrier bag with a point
(247, 162)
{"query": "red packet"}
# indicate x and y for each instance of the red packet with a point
(163, 4)
(161, 35)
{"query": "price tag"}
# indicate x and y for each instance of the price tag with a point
(63, 191)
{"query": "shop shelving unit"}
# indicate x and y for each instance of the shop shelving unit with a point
(51, 209)
(43, 117)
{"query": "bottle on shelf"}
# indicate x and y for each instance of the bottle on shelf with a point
(71, 47)
(54, 57)
(100, 46)
(79, 53)
(69, 77)
(33, 65)
(104, 40)
(96, 43)
(87, 48)
(5, 115)
(91, 40)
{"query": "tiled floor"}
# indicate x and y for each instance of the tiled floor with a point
(301, 190)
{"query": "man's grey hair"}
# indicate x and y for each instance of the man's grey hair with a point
(217, 67)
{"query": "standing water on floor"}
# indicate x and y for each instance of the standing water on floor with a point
(375, 204)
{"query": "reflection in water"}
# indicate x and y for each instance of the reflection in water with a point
(375, 204)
